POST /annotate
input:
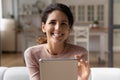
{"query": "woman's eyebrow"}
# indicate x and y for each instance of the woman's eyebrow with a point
(53, 20)
(61, 21)
(64, 20)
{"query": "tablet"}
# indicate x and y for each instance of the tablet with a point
(58, 69)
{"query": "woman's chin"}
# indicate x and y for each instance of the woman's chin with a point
(58, 40)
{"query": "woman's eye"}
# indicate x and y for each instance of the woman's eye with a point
(52, 23)
(64, 23)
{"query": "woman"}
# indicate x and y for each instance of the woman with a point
(57, 22)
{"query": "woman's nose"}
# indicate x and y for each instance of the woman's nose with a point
(57, 27)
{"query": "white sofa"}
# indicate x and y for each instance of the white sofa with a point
(20, 73)
(14, 73)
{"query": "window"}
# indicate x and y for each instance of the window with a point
(90, 13)
(0, 9)
(85, 14)
(100, 12)
(81, 13)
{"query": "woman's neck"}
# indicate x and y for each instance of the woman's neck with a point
(55, 49)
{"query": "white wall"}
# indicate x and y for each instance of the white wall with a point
(116, 21)
(116, 40)
(0, 9)
(8, 35)
(0, 24)
(7, 8)
(117, 13)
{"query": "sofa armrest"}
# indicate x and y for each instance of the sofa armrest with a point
(16, 73)
(105, 74)
(2, 71)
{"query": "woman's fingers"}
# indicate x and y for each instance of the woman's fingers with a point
(79, 57)
(80, 60)
(83, 67)
(81, 63)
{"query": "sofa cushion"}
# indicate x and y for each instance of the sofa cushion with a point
(16, 73)
(2, 71)
(105, 74)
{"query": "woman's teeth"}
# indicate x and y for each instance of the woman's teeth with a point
(57, 35)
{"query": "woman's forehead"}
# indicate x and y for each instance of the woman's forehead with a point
(57, 15)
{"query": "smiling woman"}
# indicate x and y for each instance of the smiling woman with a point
(57, 22)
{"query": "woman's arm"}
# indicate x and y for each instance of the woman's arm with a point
(32, 65)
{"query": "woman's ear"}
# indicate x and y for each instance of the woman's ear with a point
(43, 27)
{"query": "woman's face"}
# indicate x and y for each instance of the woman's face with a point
(56, 27)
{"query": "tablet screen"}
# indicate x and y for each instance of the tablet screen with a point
(58, 69)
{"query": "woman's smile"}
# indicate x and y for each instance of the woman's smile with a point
(57, 34)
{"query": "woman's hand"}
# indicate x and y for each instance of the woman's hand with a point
(83, 68)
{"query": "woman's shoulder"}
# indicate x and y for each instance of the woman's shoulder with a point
(34, 49)
(76, 47)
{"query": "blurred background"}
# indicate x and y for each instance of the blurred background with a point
(20, 26)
